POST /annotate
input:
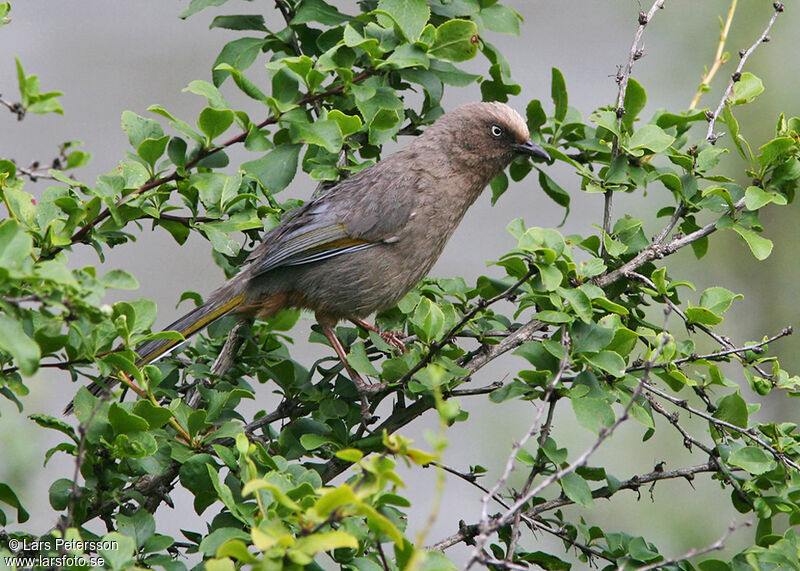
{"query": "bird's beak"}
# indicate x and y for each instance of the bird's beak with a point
(532, 149)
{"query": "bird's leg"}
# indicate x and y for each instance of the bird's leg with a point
(393, 338)
(363, 388)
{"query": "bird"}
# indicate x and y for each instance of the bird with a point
(360, 246)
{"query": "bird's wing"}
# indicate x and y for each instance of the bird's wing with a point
(361, 212)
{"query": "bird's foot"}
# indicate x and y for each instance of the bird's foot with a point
(393, 338)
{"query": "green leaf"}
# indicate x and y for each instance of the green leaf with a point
(23, 349)
(579, 301)
(327, 541)
(456, 40)
(746, 89)
(775, 149)
(702, 315)
(558, 91)
(276, 169)
(7, 496)
(755, 198)
(752, 459)
(760, 247)
(124, 422)
(138, 128)
(240, 22)
(359, 361)
(652, 138)
(554, 191)
(576, 489)
(323, 133)
(318, 11)
(635, 100)
(213, 122)
(119, 553)
(410, 16)
(155, 416)
(428, 319)
(732, 409)
(592, 413)
(151, 149)
(348, 124)
(500, 19)
(119, 279)
(609, 362)
(718, 299)
(16, 246)
(140, 526)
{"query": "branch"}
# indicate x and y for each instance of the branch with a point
(479, 306)
(468, 532)
(719, 355)
(16, 108)
(719, 58)
(716, 546)
(517, 446)
(657, 251)
(80, 235)
(748, 433)
(623, 76)
(633, 483)
(603, 434)
(711, 137)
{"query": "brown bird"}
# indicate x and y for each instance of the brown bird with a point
(363, 244)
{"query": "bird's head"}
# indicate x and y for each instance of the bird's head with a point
(487, 134)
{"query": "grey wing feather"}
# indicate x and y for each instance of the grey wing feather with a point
(358, 213)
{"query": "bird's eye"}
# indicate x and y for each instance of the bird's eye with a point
(497, 131)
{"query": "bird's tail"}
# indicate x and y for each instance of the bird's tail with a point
(219, 304)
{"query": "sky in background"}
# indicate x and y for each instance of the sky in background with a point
(108, 57)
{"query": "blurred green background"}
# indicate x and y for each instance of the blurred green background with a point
(108, 57)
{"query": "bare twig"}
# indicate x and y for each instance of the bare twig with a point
(719, 355)
(720, 58)
(622, 77)
(657, 251)
(747, 433)
(603, 434)
(517, 446)
(634, 483)
(716, 546)
(16, 108)
(711, 137)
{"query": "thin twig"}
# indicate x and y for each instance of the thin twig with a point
(603, 434)
(747, 433)
(720, 58)
(711, 137)
(466, 318)
(658, 251)
(716, 546)
(517, 446)
(623, 76)
(81, 234)
(16, 108)
(719, 355)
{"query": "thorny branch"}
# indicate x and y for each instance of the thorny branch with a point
(532, 431)
(623, 76)
(496, 523)
(746, 432)
(716, 546)
(634, 483)
(711, 137)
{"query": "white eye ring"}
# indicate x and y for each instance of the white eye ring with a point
(497, 131)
